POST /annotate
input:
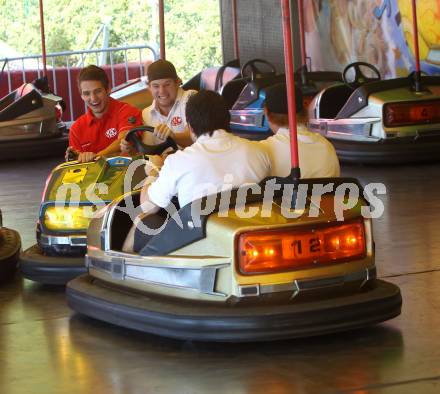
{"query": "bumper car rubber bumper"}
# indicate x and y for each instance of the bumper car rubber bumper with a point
(50, 270)
(202, 322)
(33, 148)
(10, 245)
(395, 151)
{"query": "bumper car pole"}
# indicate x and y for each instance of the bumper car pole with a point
(43, 38)
(295, 174)
(302, 43)
(235, 29)
(417, 75)
(162, 29)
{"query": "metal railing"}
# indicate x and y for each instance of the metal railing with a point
(70, 60)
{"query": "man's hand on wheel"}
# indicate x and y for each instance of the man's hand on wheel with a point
(84, 157)
(162, 132)
(126, 147)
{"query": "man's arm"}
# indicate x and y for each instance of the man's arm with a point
(183, 139)
(110, 150)
(114, 147)
(84, 157)
(128, 118)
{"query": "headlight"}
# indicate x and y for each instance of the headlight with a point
(68, 218)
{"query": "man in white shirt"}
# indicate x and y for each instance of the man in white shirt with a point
(167, 111)
(217, 160)
(317, 156)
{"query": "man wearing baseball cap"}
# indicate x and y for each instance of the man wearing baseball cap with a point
(167, 112)
(317, 156)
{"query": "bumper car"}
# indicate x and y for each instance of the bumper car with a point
(239, 266)
(370, 120)
(30, 123)
(10, 245)
(73, 193)
(223, 276)
(246, 95)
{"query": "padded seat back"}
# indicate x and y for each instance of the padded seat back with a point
(232, 90)
(333, 99)
(23, 90)
(26, 99)
(213, 78)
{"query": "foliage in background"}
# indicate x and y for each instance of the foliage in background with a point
(192, 27)
(193, 38)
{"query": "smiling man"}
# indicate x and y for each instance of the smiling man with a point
(96, 132)
(167, 112)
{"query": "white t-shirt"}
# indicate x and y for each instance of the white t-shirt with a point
(317, 156)
(175, 120)
(211, 164)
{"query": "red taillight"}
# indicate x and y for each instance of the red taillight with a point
(289, 249)
(406, 114)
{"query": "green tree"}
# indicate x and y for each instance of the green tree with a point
(192, 28)
(193, 37)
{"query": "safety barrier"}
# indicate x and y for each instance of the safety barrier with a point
(124, 63)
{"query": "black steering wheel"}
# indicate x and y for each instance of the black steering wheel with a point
(132, 136)
(254, 70)
(359, 77)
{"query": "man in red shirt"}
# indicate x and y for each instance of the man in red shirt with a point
(96, 132)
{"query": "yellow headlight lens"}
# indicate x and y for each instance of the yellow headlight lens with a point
(67, 218)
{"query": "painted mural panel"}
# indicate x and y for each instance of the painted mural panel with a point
(379, 32)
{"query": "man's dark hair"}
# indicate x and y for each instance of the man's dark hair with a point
(206, 111)
(276, 99)
(93, 73)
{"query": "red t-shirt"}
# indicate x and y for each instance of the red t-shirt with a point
(90, 134)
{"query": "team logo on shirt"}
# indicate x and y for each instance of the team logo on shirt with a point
(176, 121)
(110, 133)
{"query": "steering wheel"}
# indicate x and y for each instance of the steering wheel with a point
(359, 77)
(254, 70)
(132, 136)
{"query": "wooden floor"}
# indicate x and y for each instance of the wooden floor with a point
(46, 348)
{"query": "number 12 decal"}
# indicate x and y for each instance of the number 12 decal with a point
(314, 246)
